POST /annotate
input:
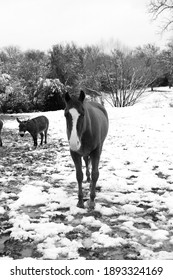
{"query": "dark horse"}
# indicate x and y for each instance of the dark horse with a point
(87, 127)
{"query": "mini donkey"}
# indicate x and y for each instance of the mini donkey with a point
(35, 126)
(1, 125)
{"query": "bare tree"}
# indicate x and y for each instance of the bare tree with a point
(163, 8)
(125, 78)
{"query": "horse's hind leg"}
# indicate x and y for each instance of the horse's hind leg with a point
(87, 162)
(95, 158)
(79, 176)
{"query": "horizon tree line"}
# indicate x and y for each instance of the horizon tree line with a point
(34, 80)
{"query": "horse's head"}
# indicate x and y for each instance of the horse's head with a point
(22, 127)
(74, 113)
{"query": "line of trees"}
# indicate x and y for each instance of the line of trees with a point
(34, 80)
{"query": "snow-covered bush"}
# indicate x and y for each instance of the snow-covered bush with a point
(49, 95)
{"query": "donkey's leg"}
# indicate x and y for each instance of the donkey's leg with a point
(87, 162)
(41, 134)
(95, 158)
(79, 176)
(34, 136)
(45, 136)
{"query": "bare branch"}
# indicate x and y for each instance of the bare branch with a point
(160, 8)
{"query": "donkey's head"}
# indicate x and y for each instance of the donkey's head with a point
(22, 127)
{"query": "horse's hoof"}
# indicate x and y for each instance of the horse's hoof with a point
(80, 205)
(90, 205)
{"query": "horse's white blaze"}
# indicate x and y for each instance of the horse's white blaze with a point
(74, 139)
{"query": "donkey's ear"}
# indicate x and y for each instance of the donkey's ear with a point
(82, 96)
(18, 120)
(67, 97)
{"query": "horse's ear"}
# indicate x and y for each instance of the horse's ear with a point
(82, 96)
(67, 97)
(18, 120)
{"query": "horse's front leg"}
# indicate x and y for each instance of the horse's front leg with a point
(95, 158)
(79, 176)
(87, 162)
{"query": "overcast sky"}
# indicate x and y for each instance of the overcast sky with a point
(40, 24)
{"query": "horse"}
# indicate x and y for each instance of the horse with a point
(35, 126)
(87, 127)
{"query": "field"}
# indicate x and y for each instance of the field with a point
(133, 217)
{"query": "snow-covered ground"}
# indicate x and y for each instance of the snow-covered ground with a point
(133, 217)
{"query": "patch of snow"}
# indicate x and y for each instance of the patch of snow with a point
(131, 209)
(2, 210)
(106, 211)
(91, 221)
(162, 255)
(30, 196)
(160, 234)
(101, 239)
(105, 229)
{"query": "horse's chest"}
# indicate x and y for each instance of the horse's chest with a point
(88, 143)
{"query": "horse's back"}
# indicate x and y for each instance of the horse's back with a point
(98, 120)
(99, 107)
